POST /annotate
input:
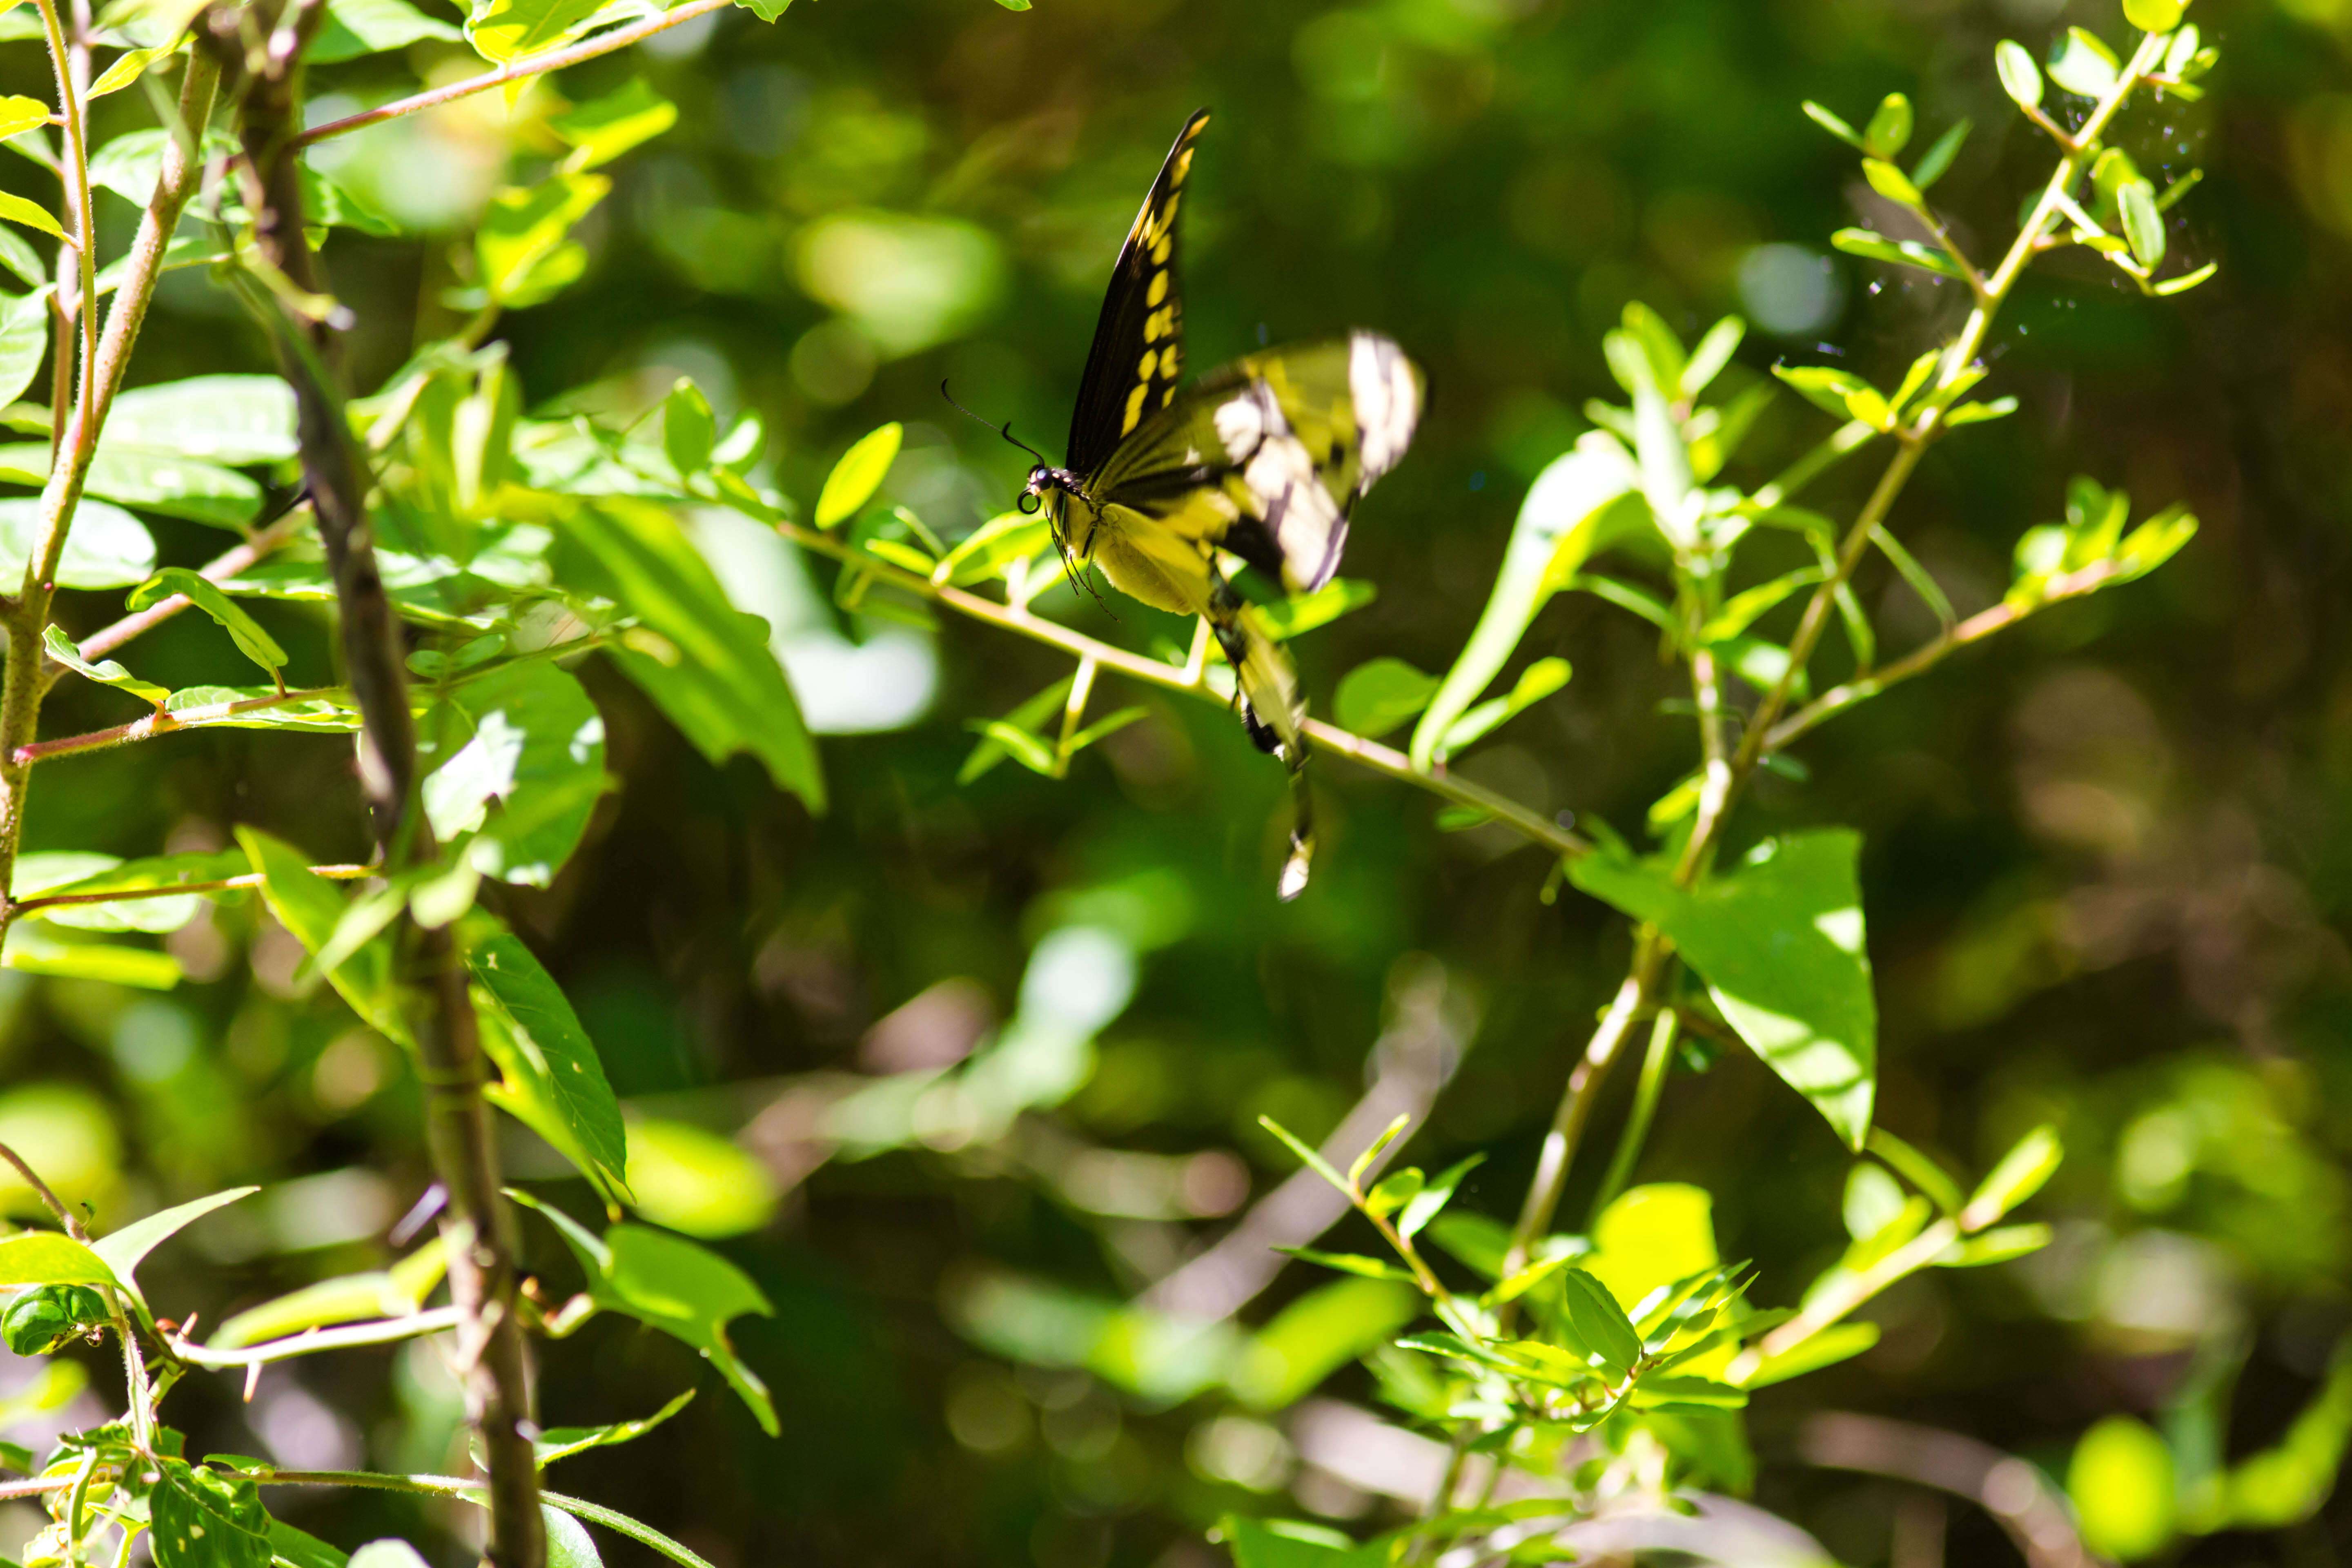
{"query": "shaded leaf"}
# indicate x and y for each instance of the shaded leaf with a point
(554, 1079)
(232, 618)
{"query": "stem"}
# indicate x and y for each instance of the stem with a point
(161, 723)
(49, 1200)
(177, 890)
(516, 69)
(1831, 1305)
(1656, 1064)
(389, 1331)
(478, 1227)
(1187, 679)
(474, 1492)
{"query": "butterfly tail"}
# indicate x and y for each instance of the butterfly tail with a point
(1267, 687)
(1302, 834)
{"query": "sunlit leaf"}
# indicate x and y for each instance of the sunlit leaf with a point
(602, 129)
(106, 672)
(561, 1442)
(2121, 1483)
(1840, 1341)
(517, 761)
(857, 475)
(357, 28)
(123, 1250)
(553, 1079)
(107, 548)
(526, 227)
(232, 618)
(1378, 696)
(46, 1257)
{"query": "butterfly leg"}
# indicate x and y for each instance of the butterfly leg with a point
(1266, 689)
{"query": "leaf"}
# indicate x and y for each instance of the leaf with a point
(106, 673)
(525, 227)
(1874, 246)
(233, 617)
(771, 10)
(1287, 618)
(990, 549)
(1375, 1149)
(1381, 694)
(501, 29)
(1838, 391)
(24, 337)
(1434, 1194)
(562, 1442)
(1918, 1169)
(128, 68)
(36, 950)
(1021, 722)
(2155, 16)
(705, 664)
(2021, 1173)
(329, 203)
(516, 759)
(2122, 1485)
(74, 873)
(1890, 127)
(107, 548)
(602, 129)
(123, 1250)
(358, 28)
(1570, 513)
(1713, 352)
(569, 1544)
(857, 475)
(2084, 65)
(231, 420)
(1833, 123)
(206, 1519)
(152, 481)
(553, 1076)
(1840, 1341)
(1286, 1544)
(1980, 413)
(19, 114)
(1598, 1321)
(1315, 1336)
(2143, 224)
(46, 1257)
(217, 708)
(1891, 183)
(396, 1292)
(18, 255)
(1536, 682)
(16, 209)
(1998, 1245)
(1938, 160)
(1780, 944)
(309, 908)
(689, 429)
(1308, 1157)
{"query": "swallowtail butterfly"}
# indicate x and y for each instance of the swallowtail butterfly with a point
(1262, 459)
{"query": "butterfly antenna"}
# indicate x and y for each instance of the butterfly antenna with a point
(1004, 429)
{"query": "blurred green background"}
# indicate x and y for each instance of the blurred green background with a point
(2108, 859)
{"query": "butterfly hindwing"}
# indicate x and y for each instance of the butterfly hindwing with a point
(1139, 349)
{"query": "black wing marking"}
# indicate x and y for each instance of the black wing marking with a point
(1266, 456)
(1138, 350)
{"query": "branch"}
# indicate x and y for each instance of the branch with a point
(477, 1228)
(2007, 1487)
(519, 68)
(1187, 679)
(41, 1190)
(165, 723)
(176, 889)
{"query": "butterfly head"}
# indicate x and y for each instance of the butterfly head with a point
(1045, 481)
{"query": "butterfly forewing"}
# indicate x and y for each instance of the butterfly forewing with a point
(1138, 350)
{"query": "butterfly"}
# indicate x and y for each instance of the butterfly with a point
(1262, 459)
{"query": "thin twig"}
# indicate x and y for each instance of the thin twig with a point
(50, 1199)
(519, 68)
(177, 890)
(390, 1330)
(165, 723)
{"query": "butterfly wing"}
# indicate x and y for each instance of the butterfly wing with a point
(1139, 349)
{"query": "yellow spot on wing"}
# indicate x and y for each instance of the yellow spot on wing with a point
(1159, 289)
(1151, 363)
(1134, 407)
(1160, 250)
(1183, 165)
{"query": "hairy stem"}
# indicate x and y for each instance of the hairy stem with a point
(478, 1227)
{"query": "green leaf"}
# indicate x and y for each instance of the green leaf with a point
(1938, 160)
(2084, 65)
(1570, 513)
(569, 1544)
(687, 1291)
(24, 336)
(1022, 722)
(1872, 246)
(705, 664)
(688, 428)
(1831, 123)
(35, 948)
(990, 549)
(45, 1258)
(1998, 1245)
(1434, 1194)
(2143, 224)
(328, 203)
(398, 1291)
(1375, 1149)
(2186, 281)
(1980, 413)
(1315, 1336)
(231, 420)
(1838, 391)
(562, 1442)
(553, 1079)
(357, 28)
(18, 256)
(1378, 696)
(309, 908)
(2286, 1484)
(501, 29)
(602, 129)
(45, 873)
(2021, 1173)
(2019, 74)
(1474, 1240)
(2121, 1483)
(858, 475)
(107, 548)
(1536, 682)
(125, 1249)
(1287, 618)
(1712, 354)
(1598, 1321)
(1743, 608)
(204, 1517)
(2155, 16)
(16, 209)
(1840, 1341)
(128, 68)
(517, 760)
(1286, 1544)
(1890, 127)
(1918, 1169)
(771, 10)
(217, 708)
(1780, 944)
(19, 114)
(106, 673)
(151, 481)
(1308, 1157)
(526, 226)
(233, 618)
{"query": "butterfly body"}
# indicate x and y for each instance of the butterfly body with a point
(1262, 459)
